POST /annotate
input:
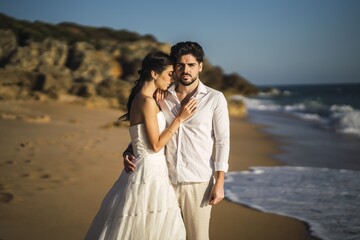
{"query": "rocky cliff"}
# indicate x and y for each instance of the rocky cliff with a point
(41, 60)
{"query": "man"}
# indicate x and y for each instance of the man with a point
(193, 166)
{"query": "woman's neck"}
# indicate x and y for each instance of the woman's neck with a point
(148, 89)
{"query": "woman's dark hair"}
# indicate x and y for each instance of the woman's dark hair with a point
(183, 48)
(154, 61)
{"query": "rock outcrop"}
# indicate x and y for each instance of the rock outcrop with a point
(40, 60)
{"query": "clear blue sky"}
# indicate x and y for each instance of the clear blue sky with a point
(266, 41)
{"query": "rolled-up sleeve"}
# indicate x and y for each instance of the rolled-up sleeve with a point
(221, 128)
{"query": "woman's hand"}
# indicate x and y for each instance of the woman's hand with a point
(187, 110)
(159, 95)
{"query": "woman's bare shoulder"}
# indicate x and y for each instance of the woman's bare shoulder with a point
(144, 103)
(150, 105)
(140, 107)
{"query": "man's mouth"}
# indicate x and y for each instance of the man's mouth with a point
(186, 75)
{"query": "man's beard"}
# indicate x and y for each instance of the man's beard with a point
(182, 82)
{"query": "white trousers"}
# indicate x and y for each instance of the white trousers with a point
(193, 200)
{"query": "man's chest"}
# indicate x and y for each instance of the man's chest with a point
(204, 111)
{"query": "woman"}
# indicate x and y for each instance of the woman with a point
(142, 205)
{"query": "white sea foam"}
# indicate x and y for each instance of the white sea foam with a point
(341, 118)
(295, 107)
(345, 119)
(309, 116)
(327, 199)
(274, 92)
(258, 104)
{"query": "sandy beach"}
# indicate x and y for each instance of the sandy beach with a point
(58, 160)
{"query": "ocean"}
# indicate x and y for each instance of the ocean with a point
(319, 130)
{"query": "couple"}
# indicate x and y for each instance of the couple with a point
(191, 121)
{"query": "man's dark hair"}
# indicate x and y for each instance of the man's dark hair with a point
(183, 48)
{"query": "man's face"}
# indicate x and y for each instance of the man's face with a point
(187, 69)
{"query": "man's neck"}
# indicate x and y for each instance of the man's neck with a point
(184, 90)
(184, 93)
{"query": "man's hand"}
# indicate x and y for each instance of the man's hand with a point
(129, 164)
(129, 158)
(217, 192)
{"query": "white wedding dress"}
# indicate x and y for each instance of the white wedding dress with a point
(141, 205)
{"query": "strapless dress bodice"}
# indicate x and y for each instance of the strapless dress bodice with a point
(140, 141)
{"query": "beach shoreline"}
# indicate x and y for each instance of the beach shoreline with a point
(250, 147)
(58, 160)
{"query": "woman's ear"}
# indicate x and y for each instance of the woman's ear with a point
(154, 75)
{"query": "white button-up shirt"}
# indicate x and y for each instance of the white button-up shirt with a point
(189, 153)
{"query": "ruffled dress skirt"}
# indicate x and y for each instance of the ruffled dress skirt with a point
(141, 205)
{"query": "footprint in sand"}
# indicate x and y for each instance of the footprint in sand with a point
(25, 175)
(45, 176)
(23, 146)
(74, 121)
(41, 141)
(32, 154)
(57, 181)
(6, 197)
(69, 135)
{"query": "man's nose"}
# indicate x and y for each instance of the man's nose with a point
(186, 68)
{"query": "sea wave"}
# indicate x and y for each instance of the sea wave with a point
(327, 199)
(345, 119)
(340, 118)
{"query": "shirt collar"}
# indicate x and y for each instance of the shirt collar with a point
(201, 89)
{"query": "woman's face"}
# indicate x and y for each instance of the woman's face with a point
(165, 78)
